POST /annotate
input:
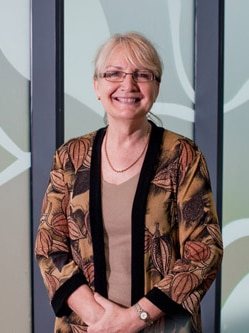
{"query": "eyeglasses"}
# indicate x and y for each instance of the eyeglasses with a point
(138, 76)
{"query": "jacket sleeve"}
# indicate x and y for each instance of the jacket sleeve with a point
(197, 238)
(60, 272)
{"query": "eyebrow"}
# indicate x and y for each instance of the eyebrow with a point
(121, 68)
(116, 67)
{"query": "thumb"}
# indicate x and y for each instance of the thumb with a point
(100, 299)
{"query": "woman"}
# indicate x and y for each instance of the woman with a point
(129, 237)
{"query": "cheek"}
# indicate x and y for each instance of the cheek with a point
(155, 92)
(106, 90)
(151, 91)
(152, 94)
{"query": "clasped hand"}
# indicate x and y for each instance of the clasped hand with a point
(114, 318)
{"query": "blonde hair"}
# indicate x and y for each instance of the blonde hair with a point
(137, 49)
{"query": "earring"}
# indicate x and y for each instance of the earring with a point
(99, 98)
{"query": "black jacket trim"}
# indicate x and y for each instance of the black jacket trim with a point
(96, 218)
(139, 211)
(168, 306)
(58, 302)
(138, 214)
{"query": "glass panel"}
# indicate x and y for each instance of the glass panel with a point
(14, 167)
(89, 23)
(235, 272)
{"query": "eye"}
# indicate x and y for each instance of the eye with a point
(114, 75)
(143, 76)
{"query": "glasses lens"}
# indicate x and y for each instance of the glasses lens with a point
(114, 76)
(143, 76)
(118, 76)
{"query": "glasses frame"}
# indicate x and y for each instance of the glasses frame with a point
(104, 75)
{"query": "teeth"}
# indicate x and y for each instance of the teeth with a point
(127, 100)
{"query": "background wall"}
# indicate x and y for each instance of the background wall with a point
(167, 23)
(170, 24)
(15, 225)
(235, 273)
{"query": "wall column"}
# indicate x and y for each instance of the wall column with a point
(209, 121)
(47, 127)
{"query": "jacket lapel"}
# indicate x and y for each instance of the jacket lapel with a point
(138, 214)
(96, 219)
(139, 210)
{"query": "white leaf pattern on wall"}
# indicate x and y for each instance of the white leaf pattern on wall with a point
(22, 163)
(235, 230)
(174, 110)
(240, 98)
(175, 19)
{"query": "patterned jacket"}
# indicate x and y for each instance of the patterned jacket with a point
(176, 240)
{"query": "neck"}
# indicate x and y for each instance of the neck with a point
(127, 132)
(134, 162)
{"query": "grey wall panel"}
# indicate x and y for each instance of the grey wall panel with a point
(209, 121)
(44, 132)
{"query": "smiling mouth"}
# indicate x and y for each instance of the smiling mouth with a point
(127, 100)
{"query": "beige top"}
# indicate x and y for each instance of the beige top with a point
(117, 203)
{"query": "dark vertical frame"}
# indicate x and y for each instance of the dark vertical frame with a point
(59, 17)
(47, 127)
(209, 121)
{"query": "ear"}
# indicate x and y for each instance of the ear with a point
(96, 87)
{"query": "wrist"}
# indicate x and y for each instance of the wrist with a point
(91, 311)
(143, 315)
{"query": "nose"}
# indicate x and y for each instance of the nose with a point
(129, 82)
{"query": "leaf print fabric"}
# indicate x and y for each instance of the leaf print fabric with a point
(181, 234)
